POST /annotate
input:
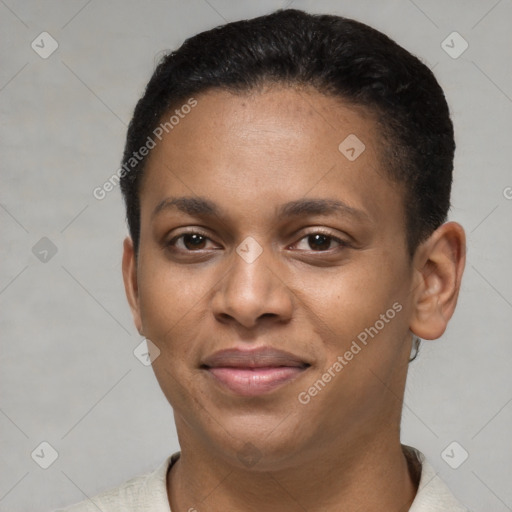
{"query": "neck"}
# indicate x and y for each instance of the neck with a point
(375, 478)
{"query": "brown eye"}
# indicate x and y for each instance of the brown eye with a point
(194, 241)
(189, 242)
(319, 242)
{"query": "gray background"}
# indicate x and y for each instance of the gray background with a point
(69, 376)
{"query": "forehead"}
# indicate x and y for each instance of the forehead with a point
(269, 147)
(297, 116)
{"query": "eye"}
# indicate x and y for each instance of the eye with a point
(317, 241)
(321, 242)
(189, 241)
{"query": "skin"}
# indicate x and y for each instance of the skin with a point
(250, 154)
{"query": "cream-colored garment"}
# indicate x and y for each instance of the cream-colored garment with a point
(148, 493)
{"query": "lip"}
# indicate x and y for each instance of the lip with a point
(253, 372)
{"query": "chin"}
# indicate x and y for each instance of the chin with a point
(258, 442)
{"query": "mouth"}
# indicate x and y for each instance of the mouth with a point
(253, 372)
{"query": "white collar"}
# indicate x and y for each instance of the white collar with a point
(432, 496)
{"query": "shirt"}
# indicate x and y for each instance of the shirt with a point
(148, 493)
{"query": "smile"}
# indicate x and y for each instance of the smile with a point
(255, 372)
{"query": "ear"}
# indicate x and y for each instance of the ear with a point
(439, 263)
(130, 281)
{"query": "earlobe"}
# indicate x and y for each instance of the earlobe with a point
(439, 265)
(130, 281)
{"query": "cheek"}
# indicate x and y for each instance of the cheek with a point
(342, 303)
(170, 302)
(170, 305)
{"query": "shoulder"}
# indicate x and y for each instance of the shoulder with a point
(433, 495)
(145, 492)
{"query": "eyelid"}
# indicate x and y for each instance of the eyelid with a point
(191, 231)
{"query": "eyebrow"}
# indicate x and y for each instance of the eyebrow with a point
(201, 206)
(320, 207)
(190, 205)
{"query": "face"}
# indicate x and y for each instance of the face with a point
(274, 278)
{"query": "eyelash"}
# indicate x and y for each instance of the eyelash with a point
(342, 243)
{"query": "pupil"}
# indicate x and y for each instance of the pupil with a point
(319, 241)
(193, 240)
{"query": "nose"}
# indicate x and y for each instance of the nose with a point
(252, 292)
